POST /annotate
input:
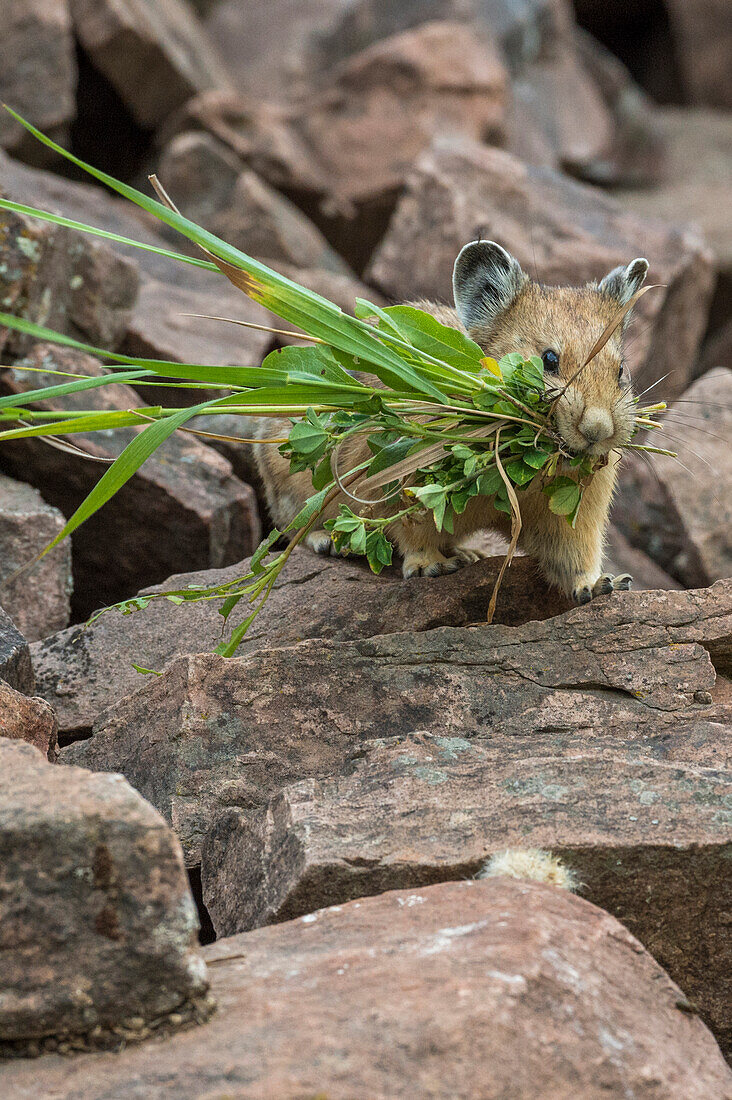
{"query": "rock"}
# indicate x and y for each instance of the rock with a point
(561, 231)
(214, 732)
(211, 189)
(83, 672)
(648, 841)
(457, 990)
(155, 325)
(15, 660)
(267, 45)
(37, 73)
(717, 351)
(383, 107)
(681, 512)
(622, 557)
(696, 187)
(99, 927)
(62, 280)
(183, 508)
(38, 599)
(155, 56)
(702, 30)
(31, 720)
(636, 151)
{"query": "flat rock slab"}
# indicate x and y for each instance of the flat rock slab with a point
(183, 508)
(561, 232)
(38, 600)
(498, 990)
(23, 718)
(99, 926)
(682, 513)
(15, 659)
(213, 732)
(81, 672)
(648, 837)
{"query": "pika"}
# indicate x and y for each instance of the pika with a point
(503, 310)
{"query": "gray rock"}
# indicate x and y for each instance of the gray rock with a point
(15, 660)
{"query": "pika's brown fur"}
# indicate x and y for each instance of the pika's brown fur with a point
(504, 311)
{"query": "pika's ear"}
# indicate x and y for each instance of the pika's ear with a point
(622, 282)
(485, 280)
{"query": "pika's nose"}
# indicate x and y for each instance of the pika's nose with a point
(596, 425)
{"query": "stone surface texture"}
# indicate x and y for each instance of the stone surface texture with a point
(646, 832)
(38, 599)
(81, 672)
(37, 71)
(28, 719)
(99, 926)
(15, 659)
(681, 512)
(494, 990)
(561, 232)
(203, 515)
(213, 732)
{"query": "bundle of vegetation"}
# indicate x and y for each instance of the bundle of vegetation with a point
(395, 417)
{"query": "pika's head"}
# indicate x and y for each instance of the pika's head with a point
(503, 311)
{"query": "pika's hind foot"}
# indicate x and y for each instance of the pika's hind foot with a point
(431, 563)
(320, 542)
(603, 586)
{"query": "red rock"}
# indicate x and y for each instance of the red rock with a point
(681, 512)
(37, 72)
(212, 189)
(696, 188)
(481, 990)
(183, 508)
(31, 720)
(214, 733)
(561, 232)
(83, 672)
(38, 599)
(702, 31)
(648, 841)
(156, 57)
(99, 926)
(60, 279)
(15, 660)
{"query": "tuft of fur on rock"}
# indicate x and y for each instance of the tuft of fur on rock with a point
(530, 863)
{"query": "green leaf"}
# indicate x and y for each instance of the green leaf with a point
(316, 363)
(564, 496)
(358, 540)
(427, 334)
(255, 565)
(490, 482)
(519, 473)
(306, 439)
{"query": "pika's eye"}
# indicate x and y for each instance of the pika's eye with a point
(623, 375)
(550, 359)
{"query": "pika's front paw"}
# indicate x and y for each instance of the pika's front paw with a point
(320, 542)
(606, 583)
(430, 563)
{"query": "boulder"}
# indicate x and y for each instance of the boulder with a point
(213, 732)
(696, 187)
(38, 599)
(99, 928)
(561, 232)
(26, 719)
(15, 659)
(82, 672)
(482, 990)
(212, 189)
(681, 512)
(155, 56)
(649, 842)
(37, 73)
(702, 32)
(60, 279)
(184, 508)
(622, 557)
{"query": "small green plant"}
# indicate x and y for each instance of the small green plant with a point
(445, 423)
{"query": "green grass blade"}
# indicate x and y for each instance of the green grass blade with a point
(108, 420)
(85, 383)
(82, 227)
(294, 303)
